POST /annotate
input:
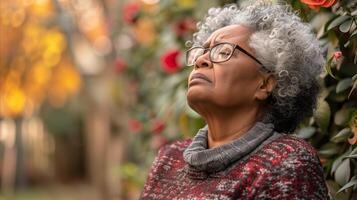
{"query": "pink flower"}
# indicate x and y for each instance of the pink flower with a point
(169, 61)
(120, 65)
(316, 4)
(135, 125)
(158, 126)
(184, 26)
(131, 12)
(337, 55)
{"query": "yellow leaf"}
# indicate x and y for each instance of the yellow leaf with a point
(145, 26)
(13, 102)
(186, 3)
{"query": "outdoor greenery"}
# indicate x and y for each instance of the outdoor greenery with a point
(153, 64)
(80, 80)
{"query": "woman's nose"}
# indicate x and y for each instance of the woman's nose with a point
(203, 61)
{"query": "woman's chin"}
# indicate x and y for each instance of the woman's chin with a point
(197, 94)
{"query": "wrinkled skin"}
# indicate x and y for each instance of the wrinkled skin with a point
(230, 97)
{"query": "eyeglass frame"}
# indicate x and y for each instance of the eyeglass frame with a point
(235, 46)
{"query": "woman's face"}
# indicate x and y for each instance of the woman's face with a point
(229, 84)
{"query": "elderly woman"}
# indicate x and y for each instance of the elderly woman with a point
(254, 78)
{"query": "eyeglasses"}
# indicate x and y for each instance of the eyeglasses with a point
(220, 52)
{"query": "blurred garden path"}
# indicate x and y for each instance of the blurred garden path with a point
(77, 191)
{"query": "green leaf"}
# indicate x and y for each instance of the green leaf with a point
(306, 132)
(338, 161)
(335, 164)
(322, 115)
(343, 172)
(333, 96)
(324, 93)
(328, 67)
(354, 151)
(352, 182)
(341, 117)
(347, 43)
(342, 135)
(354, 86)
(345, 26)
(339, 20)
(354, 78)
(333, 187)
(329, 149)
(354, 13)
(353, 154)
(343, 84)
(354, 33)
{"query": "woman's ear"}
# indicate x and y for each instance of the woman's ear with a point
(265, 87)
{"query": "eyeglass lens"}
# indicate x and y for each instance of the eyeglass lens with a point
(221, 52)
(218, 53)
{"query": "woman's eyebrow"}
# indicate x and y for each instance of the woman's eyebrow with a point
(207, 44)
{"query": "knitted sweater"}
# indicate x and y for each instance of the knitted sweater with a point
(276, 166)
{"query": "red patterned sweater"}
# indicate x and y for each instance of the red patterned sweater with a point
(285, 168)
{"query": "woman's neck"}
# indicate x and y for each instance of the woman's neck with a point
(226, 126)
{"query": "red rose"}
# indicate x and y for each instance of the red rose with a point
(316, 4)
(130, 12)
(158, 126)
(135, 125)
(337, 55)
(184, 26)
(169, 61)
(120, 65)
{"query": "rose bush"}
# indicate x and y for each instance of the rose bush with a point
(333, 128)
(185, 26)
(131, 12)
(316, 4)
(170, 61)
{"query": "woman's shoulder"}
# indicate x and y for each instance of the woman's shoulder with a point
(283, 151)
(292, 162)
(288, 151)
(175, 147)
(292, 144)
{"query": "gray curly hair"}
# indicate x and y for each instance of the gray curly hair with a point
(286, 46)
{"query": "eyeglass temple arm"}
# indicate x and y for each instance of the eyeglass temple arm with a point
(250, 55)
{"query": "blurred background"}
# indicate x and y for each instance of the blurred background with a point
(91, 89)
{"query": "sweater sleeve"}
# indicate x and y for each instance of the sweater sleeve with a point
(298, 176)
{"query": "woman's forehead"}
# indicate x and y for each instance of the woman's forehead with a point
(231, 32)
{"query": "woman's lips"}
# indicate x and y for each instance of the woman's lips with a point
(197, 78)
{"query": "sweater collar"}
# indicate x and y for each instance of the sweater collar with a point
(201, 159)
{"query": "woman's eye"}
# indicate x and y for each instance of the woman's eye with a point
(224, 53)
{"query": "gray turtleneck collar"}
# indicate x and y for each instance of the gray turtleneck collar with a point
(198, 156)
